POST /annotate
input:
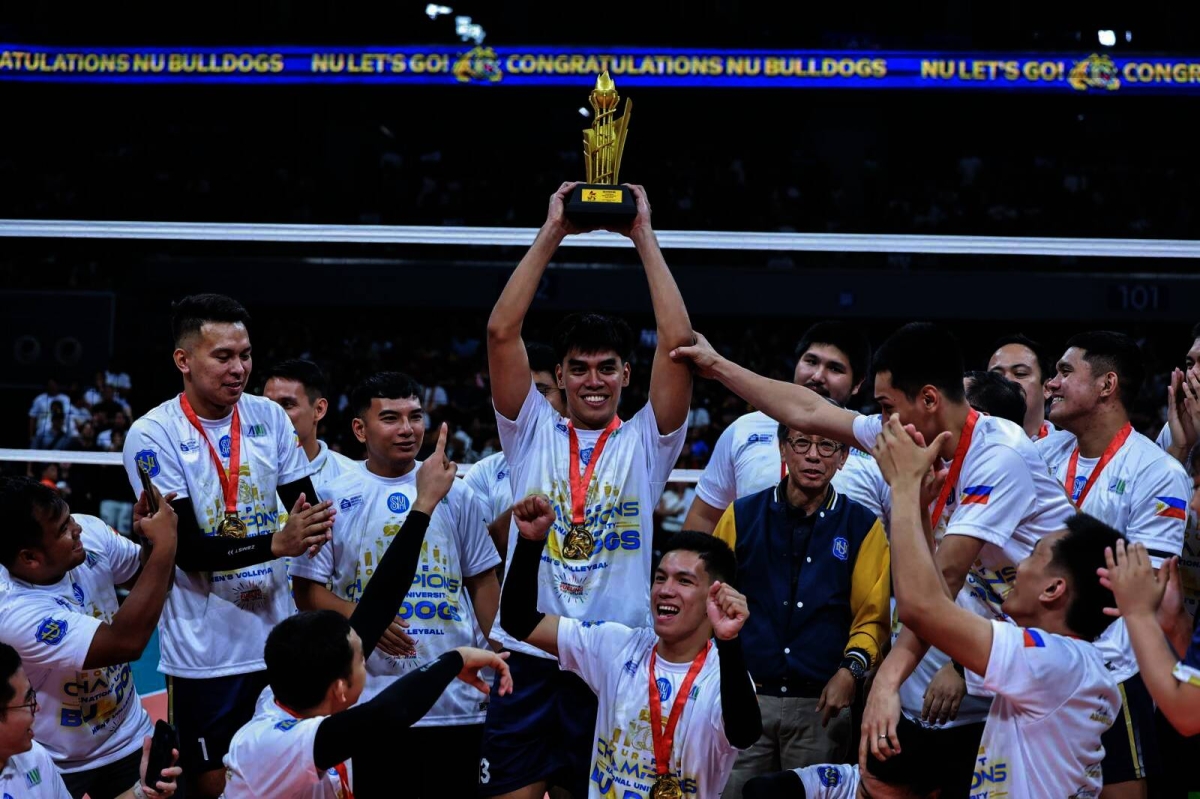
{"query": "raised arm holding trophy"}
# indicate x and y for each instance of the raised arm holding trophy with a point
(593, 468)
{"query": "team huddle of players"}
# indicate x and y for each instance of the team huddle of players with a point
(314, 612)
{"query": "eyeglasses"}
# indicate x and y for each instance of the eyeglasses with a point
(825, 447)
(30, 703)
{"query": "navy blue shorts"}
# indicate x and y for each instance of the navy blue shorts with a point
(1131, 743)
(544, 730)
(207, 713)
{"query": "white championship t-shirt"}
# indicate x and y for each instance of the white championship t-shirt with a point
(204, 607)
(328, 466)
(371, 511)
(272, 756)
(745, 460)
(1003, 497)
(614, 583)
(32, 775)
(1053, 700)
(829, 781)
(488, 481)
(614, 660)
(85, 719)
(1142, 493)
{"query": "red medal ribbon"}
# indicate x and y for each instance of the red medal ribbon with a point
(1043, 431)
(229, 482)
(579, 483)
(960, 454)
(1109, 452)
(340, 768)
(663, 739)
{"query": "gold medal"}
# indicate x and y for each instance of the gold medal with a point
(232, 527)
(579, 543)
(666, 787)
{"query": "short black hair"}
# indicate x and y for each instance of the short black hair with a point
(922, 354)
(1077, 555)
(1193, 462)
(20, 500)
(189, 314)
(996, 395)
(383, 385)
(1109, 351)
(10, 661)
(590, 333)
(304, 372)
(846, 337)
(305, 654)
(1196, 331)
(1045, 367)
(541, 357)
(718, 558)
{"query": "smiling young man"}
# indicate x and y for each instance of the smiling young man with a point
(997, 499)
(229, 457)
(1122, 478)
(455, 592)
(1019, 359)
(1053, 695)
(604, 477)
(642, 676)
(832, 360)
(826, 557)
(59, 611)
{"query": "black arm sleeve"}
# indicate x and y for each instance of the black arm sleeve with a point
(342, 735)
(518, 602)
(390, 582)
(197, 552)
(291, 492)
(739, 705)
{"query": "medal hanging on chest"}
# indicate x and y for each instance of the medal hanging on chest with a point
(231, 525)
(666, 784)
(580, 542)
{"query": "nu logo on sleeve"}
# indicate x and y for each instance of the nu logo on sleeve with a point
(51, 631)
(148, 460)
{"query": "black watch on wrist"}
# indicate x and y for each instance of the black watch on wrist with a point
(854, 666)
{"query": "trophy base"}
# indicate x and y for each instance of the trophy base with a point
(598, 205)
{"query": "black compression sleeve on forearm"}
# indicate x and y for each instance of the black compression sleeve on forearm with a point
(390, 582)
(343, 735)
(518, 602)
(739, 705)
(291, 492)
(197, 552)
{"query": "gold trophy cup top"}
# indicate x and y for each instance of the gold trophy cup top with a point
(604, 142)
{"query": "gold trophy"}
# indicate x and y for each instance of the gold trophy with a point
(601, 200)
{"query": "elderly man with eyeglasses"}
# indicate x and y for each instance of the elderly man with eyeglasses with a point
(814, 566)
